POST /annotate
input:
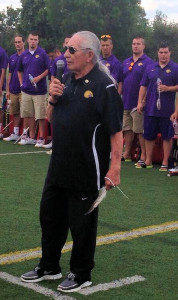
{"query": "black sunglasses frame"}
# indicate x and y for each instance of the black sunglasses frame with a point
(72, 50)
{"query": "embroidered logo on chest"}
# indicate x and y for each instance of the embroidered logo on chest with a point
(88, 94)
(168, 71)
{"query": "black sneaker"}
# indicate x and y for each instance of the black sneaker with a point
(70, 284)
(39, 274)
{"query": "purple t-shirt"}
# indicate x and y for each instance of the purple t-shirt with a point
(50, 68)
(3, 64)
(14, 85)
(169, 77)
(54, 66)
(35, 65)
(114, 66)
(131, 79)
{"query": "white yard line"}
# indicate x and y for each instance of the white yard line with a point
(19, 256)
(102, 240)
(111, 285)
(86, 291)
(20, 153)
(35, 287)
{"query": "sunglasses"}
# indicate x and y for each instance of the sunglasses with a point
(72, 50)
(131, 66)
(106, 36)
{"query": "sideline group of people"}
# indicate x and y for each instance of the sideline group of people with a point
(139, 93)
(148, 90)
(86, 111)
(26, 88)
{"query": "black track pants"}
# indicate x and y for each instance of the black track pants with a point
(61, 210)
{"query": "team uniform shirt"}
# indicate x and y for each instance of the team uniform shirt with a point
(169, 77)
(14, 85)
(34, 64)
(131, 79)
(85, 116)
(50, 68)
(3, 64)
(54, 66)
(114, 66)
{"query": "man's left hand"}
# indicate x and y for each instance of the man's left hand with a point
(112, 179)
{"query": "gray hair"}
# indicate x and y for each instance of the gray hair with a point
(91, 41)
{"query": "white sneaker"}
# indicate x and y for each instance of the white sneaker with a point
(12, 137)
(23, 140)
(40, 143)
(1, 135)
(174, 170)
(27, 141)
(48, 146)
(30, 141)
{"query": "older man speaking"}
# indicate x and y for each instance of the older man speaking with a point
(86, 111)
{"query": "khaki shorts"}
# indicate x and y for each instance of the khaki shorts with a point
(33, 106)
(133, 121)
(15, 100)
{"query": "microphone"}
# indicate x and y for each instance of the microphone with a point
(60, 69)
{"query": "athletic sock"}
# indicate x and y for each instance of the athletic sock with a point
(16, 130)
(25, 131)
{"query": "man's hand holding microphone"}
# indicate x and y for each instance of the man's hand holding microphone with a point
(56, 87)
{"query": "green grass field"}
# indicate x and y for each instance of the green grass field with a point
(152, 255)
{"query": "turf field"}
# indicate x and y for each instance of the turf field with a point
(137, 248)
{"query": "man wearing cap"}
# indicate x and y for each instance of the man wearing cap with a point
(133, 69)
(109, 60)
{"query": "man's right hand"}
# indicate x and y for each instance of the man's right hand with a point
(140, 108)
(7, 95)
(174, 116)
(56, 88)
